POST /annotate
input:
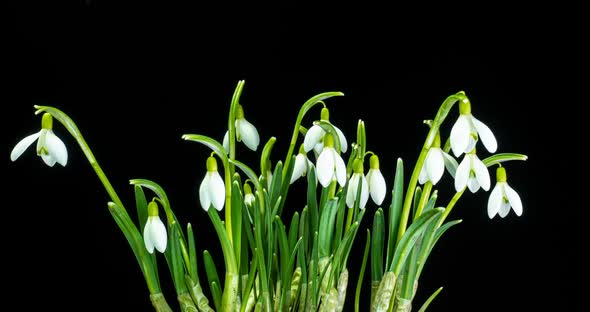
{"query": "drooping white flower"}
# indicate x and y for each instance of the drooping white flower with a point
(245, 132)
(212, 189)
(357, 180)
(503, 197)
(330, 165)
(466, 131)
(472, 173)
(377, 187)
(248, 196)
(314, 138)
(154, 232)
(49, 147)
(301, 166)
(435, 162)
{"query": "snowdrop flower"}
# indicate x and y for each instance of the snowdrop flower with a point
(314, 138)
(248, 196)
(376, 181)
(468, 129)
(330, 165)
(49, 146)
(435, 162)
(503, 197)
(154, 232)
(472, 173)
(245, 132)
(353, 185)
(212, 189)
(302, 165)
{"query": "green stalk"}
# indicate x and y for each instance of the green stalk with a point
(449, 207)
(423, 198)
(442, 113)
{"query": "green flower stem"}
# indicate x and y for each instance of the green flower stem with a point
(229, 167)
(449, 207)
(441, 115)
(423, 198)
(230, 299)
(302, 111)
(349, 213)
(70, 125)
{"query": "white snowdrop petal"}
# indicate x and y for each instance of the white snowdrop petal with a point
(364, 192)
(435, 165)
(313, 137)
(462, 174)
(471, 144)
(342, 138)
(226, 142)
(504, 209)
(423, 176)
(147, 236)
(249, 134)
(325, 167)
(481, 173)
(472, 184)
(487, 137)
(351, 191)
(460, 135)
(159, 235)
(204, 193)
(56, 148)
(514, 200)
(495, 200)
(216, 190)
(340, 168)
(450, 163)
(318, 148)
(298, 167)
(49, 160)
(377, 186)
(22, 146)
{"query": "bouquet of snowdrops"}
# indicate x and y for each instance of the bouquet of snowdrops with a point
(284, 260)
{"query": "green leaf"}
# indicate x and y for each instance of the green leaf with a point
(429, 300)
(136, 243)
(409, 238)
(302, 111)
(395, 210)
(192, 251)
(377, 246)
(212, 277)
(326, 229)
(312, 202)
(359, 282)
(141, 205)
(503, 157)
(293, 228)
(329, 128)
(236, 215)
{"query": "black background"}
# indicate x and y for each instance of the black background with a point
(135, 77)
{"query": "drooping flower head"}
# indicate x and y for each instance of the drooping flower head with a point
(49, 147)
(314, 138)
(468, 129)
(503, 197)
(435, 163)
(245, 132)
(154, 232)
(472, 173)
(302, 165)
(357, 180)
(212, 189)
(376, 181)
(330, 165)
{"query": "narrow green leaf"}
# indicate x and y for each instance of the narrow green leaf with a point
(312, 203)
(326, 229)
(503, 157)
(192, 251)
(293, 228)
(359, 282)
(212, 276)
(395, 210)
(377, 246)
(429, 300)
(409, 238)
(216, 294)
(141, 205)
(416, 202)
(236, 214)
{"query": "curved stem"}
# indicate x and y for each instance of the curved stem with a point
(450, 206)
(441, 115)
